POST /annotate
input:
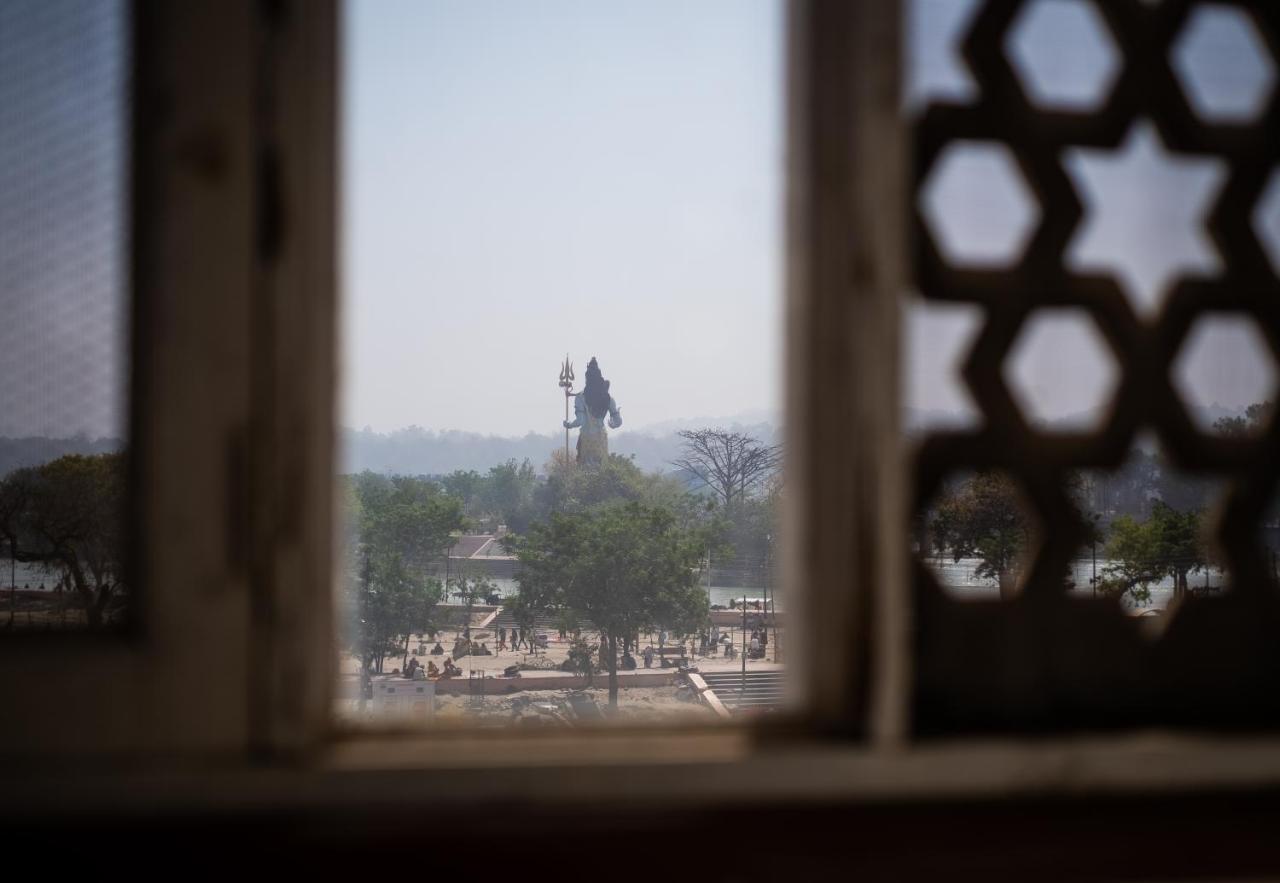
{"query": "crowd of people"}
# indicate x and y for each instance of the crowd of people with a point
(711, 642)
(447, 669)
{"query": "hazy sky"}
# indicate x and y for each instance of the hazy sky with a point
(605, 178)
(523, 179)
(526, 179)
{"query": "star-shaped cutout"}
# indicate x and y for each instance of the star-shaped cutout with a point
(934, 69)
(938, 336)
(1146, 209)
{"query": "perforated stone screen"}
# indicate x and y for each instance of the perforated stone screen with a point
(1051, 658)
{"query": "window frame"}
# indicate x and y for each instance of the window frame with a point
(149, 689)
(236, 368)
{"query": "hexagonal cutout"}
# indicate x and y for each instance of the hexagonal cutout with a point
(1151, 543)
(1266, 220)
(977, 205)
(1064, 54)
(1223, 65)
(1146, 209)
(1226, 375)
(979, 535)
(1061, 371)
(936, 339)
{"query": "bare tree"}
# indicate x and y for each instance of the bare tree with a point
(730, 463)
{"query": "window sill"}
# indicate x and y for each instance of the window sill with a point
(701, 769)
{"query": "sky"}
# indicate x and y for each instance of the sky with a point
(530, 180)
(524, 180)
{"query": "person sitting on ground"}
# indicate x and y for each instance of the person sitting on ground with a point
(628, 661)
(437, 650)
(450, 670)
(433, 670)
(484, 650)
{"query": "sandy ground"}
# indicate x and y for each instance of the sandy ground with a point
(556, 707)
(557, 651)
(551, 708)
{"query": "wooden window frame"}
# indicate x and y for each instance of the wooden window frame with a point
(235, 269)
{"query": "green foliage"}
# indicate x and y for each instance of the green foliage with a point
(573, 488)
(625, 567)
(507, 492)
(464, 486)
(405, 515)
(504, 495)
(983, 518)
(68, 515)
(391, 602)
(1134, 553)
(1255, 418)
(1168, 544)
(398, 527)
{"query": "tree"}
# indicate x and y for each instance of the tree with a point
(1181, 540)
(68, 515)
(402, 525)
(409, 516)
(392, 602)
(507, 492)
(1133, 560)
(573, 488)
(983, 518)
(625, 568)
(1255, 419)
(465, 486)
(1168, 544)
(731, 464)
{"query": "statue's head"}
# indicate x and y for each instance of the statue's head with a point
(596, 390)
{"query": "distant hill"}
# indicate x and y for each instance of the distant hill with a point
(16, 453)
(429, 452)
(421, 451)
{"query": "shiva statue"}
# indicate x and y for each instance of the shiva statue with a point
(590, 407)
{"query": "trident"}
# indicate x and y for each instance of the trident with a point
(566, 383)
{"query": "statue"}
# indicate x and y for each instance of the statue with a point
(590, 407)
